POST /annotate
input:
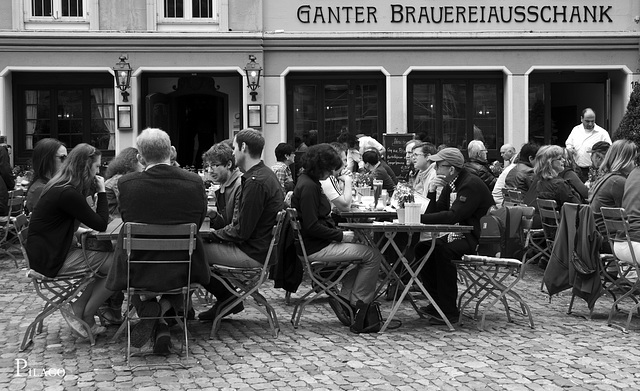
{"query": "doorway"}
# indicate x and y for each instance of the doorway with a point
(195, 116)
(557, 99)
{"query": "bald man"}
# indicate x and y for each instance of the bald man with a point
(508, 153)
(583, 137)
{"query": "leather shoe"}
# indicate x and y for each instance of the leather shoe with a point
(210, 314)
(429, 310)
(341, 310)
(162, 343)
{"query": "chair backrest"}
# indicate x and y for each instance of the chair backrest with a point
(16, 201)
(150, 240)
(516, 197)
(550, 217)
(22, 238)
(297, 236)
(276, 234)
(616, 223)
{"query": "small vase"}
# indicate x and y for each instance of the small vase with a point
(400, 215)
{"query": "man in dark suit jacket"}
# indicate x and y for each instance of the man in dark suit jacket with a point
(161, 194)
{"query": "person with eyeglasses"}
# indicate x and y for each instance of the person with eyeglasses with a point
(547, 184)
(478, 164)
(425, 167)
(464, 200)
(48, 156)
(221, 167)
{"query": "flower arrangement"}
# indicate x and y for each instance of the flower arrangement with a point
(403, 194)
(363, 179)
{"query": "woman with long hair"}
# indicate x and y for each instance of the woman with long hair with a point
(47, 159)
(569, 174)
(52, 245)
(607, 191)
(547, 184)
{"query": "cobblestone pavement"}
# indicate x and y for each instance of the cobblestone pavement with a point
(562, 352)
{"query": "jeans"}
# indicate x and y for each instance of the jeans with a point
(360, 283)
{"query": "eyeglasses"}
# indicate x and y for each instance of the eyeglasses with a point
(444, 165)
(61, 157)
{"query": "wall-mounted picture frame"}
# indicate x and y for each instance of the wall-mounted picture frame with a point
(124, 117)
(254, 113)
(272, 114)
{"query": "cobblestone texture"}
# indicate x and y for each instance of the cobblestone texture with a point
(571, 352)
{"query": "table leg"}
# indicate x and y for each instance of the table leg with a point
(414, 279)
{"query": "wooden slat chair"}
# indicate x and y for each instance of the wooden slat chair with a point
(56, 292)
(245, 282)
(627, 283)
(494, 278)
(325, 275)
(144, 238)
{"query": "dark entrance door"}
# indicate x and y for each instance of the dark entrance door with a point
(195, 115)
(556, 101)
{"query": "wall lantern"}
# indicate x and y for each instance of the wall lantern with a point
(123, 76)
(253, 70)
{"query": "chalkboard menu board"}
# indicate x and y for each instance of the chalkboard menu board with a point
(394, 143)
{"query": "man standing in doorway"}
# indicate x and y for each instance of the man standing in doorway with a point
(582, 138)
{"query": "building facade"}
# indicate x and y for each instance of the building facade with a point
(503, 71)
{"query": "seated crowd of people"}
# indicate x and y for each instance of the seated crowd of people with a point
(144, 184)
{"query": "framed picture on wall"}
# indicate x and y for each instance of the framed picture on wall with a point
(124, 116)
(254, 115)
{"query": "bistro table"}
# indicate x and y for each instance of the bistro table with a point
(114, 227)
(390, 230)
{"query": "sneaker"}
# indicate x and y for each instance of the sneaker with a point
(210, 314)
(341, 310)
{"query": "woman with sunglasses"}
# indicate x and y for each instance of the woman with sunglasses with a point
(47, 159)
(52, 245)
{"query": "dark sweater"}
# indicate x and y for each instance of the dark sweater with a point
(473, 200)
(314, 211)
(53, 223)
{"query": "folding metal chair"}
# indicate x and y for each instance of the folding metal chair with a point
(56, 292)
(627, 283)
(491, 277)
(144, 245)
(550, 218)
(245, 282)
(325, 275)
(8, 231)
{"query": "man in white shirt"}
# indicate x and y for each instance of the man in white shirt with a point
(583, 137)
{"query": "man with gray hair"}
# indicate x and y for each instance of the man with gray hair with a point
(161, 194)
(508, 153)
(478, 164)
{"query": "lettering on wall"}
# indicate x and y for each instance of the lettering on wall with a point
(400, 13)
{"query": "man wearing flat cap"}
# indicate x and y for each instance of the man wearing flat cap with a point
(464, 200)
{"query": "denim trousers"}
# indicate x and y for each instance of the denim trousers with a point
(226, 254)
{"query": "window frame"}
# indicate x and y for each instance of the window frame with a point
(319, 81)
(469, 79)
(53, 82)
(27, 21)
(188, 22)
